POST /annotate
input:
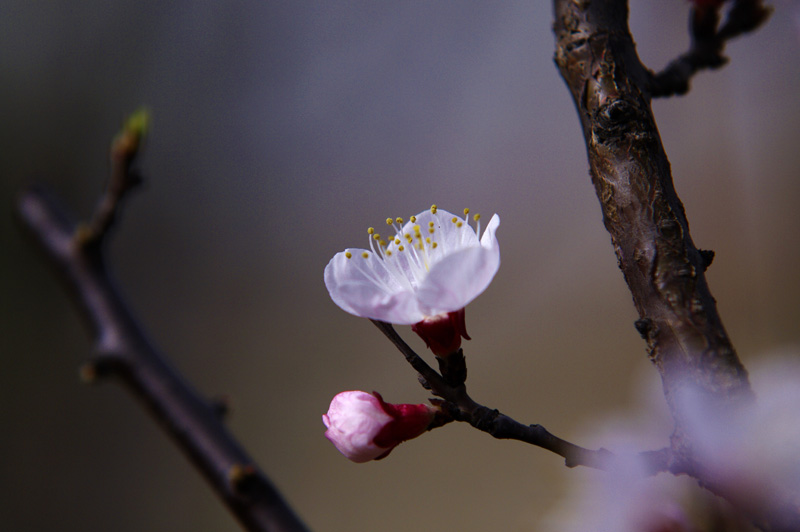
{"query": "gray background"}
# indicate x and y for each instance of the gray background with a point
(281, 130)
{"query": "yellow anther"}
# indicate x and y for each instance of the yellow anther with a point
(433, 209)
(382, 243)
(413, 219)
(430, 224)
(348, 254)
(400, 248)
(431, 230)
(370, 230)
(396, 241)
(476, 217)
(454, 220)
(399, 220)
(459, 224)
(389, 221)
(376, 236)
(365, 254)
(388, 253)
(466, 211)
(428, 240)
(434, 245)
(416, 230)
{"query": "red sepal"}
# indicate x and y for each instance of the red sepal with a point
(442, 333)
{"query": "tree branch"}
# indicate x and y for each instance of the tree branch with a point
(664, 270)
(122, 349)
(461, 407)
(708, 42)
(641, 210)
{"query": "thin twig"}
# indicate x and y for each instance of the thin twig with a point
(708, 42)
(122, 350)
(461, 407)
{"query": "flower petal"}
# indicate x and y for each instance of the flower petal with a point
(462, 276)
(353, 421)
(488, 240)
(457, 279)
(365, 288)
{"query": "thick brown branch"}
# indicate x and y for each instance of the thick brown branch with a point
(662, 267)
(641, 210)
(123, 351)
(461, 407)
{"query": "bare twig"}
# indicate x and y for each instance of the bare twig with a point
(708, 42)
(122, 349)
(461, 407)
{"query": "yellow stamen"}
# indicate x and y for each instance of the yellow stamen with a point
(370, 230)
(389, 221)
(454, 220)
(435, 245)
(459, 224)
(365, 254)
(399, 220)
(376, 236)
(348, 254)
(434, 209)
(400, 248)
(413, 219)
(476, 217)
(466, 211)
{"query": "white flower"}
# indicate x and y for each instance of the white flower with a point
(432, 265)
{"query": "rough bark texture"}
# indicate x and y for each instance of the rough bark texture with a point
(631, 174)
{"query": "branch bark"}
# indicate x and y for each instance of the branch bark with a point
(664, 270)
(641, 210)
(122, 350)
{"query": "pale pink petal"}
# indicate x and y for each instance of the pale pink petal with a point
(365, 288)
(462, 276)
(353, 421)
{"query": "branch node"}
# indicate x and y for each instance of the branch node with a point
(644, 326)
(100, 367)
(707, 256)
(453, 368)
(221, 405)
(244, 479)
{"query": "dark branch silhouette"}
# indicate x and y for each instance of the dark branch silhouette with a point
(123, 351)
(708, 42)
(450, 386)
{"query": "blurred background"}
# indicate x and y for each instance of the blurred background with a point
(281, 131)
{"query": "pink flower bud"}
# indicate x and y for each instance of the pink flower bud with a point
(442, 333)
(364, 427)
